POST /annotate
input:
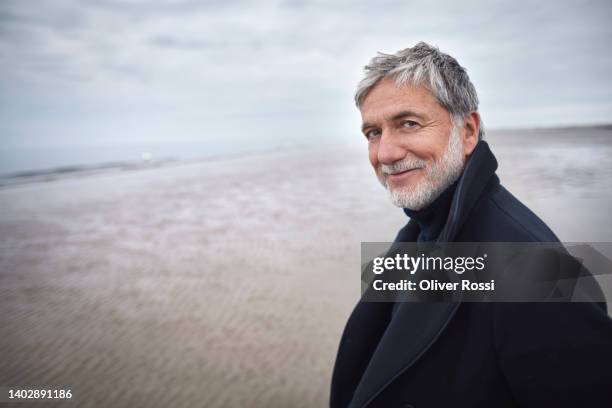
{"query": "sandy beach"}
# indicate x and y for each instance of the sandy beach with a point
(227, 282)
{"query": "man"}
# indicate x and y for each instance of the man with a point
(425, 137)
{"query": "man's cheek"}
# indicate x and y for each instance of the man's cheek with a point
(374, 162)
(380, 176)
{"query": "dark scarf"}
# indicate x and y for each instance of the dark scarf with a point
(432, 218)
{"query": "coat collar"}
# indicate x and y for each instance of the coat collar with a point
(414, 327)
(478, 173)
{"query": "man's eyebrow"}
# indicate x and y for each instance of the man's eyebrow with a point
(405, 113)
(398, 115)
(366, 125)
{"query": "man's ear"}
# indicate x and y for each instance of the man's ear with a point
(471, 129)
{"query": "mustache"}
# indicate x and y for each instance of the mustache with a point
(403, 165)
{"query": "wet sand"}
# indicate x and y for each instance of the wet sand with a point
(227, 283)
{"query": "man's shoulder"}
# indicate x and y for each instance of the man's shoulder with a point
(501, 217)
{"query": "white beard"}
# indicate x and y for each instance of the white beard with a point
(438, 176)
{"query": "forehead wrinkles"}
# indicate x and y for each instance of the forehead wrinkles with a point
(385, 101)
(380, 100)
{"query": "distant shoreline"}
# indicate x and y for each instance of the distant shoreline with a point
(601, 126)
(50, 174)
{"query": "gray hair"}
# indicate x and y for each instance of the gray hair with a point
(425, 65)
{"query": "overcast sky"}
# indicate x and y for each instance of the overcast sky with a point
(114, 72)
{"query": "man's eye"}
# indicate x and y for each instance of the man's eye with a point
(372, 133)
(409, 123)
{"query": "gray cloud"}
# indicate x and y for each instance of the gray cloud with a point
(173, 42)
(280, 70)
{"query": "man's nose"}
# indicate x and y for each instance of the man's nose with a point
(390, 149)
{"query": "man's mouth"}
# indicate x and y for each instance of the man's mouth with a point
(401, 176)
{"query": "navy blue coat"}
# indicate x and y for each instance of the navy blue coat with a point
(477, 354)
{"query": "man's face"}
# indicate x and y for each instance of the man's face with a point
(413, 146)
